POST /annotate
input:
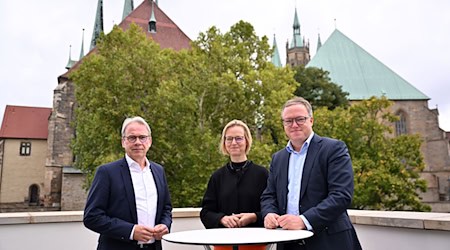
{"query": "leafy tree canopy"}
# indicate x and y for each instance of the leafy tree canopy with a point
(386, 167)
(317, 88)
(187, 97)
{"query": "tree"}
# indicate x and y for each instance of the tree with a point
(187, 97)
(386, 167)
(317, 88)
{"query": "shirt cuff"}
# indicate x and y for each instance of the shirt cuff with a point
(132, 233)
(307, 224)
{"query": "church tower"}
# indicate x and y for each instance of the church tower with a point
(297, 53)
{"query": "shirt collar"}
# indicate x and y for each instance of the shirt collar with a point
(134, 165)
(290, 148)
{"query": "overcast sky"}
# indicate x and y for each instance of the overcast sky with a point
(411, 37)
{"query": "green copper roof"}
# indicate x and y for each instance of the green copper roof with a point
(319, 43)
(71, 62)
(359, 73)
(276, 56)
(297, 41)
(127, 8)
(98, 26)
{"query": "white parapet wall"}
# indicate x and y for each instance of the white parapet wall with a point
(376, 230)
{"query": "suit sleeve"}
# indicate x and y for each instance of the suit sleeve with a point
(335, 163)
(269, 200)
(166, 208)
(210, 215)
(96, 216)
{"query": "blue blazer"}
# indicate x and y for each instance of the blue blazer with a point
(111, 205)
(326, 193)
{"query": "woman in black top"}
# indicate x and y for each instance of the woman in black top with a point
(232, 198)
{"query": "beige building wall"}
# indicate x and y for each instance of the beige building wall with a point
(20, 172)
(435, 149)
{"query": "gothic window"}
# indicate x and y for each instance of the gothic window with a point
(25, 148)
(33, 195)
(400, 125)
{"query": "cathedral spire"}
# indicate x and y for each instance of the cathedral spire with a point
(152, 21)
(98, 26)
(127, 8)
(319, 43)
(296, 38)
(82, 47)
(275, 55)
(71, 62)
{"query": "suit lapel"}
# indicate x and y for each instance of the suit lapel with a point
(129, 191)
(283, 184)
(158, 184)
(313, 151)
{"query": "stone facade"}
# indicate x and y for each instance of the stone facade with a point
(435, 149)
(73, 192)
(60, 134)
(297, 56)
(20, 174)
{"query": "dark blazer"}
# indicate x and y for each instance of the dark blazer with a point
(111, 205)
(326, 193)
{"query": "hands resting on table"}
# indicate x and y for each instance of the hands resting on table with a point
(238, 220)
(287, 221)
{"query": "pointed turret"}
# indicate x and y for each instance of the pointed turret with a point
(319, 43)
(98, 26)
(297, 54)
(71, 62)
(152, 21)
(275, 55)
(297, 41)
(82, 47)
(127, 8)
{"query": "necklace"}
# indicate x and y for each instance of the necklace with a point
(239, 166)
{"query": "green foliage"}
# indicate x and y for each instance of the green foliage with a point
(187, 97)
(386, 168)
(317, 88)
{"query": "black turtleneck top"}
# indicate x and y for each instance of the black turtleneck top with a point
(234, 188)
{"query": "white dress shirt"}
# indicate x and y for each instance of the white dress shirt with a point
(145, 193)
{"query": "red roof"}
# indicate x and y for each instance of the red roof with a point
(168, 34)
(25, 122)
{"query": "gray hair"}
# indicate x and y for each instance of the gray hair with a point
(137, 119)
(298, 101)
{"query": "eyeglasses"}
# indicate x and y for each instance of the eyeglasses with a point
(133, 138)
(238, 139)
(298, 120)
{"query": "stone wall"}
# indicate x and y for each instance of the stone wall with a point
(20, 172)
(73, 193)
(60, 134)
(435, 149)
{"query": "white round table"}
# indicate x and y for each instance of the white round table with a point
(236, 236)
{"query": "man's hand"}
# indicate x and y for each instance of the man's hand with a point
(159, 230)
(289, 221)
(142, 233)
(271, 221)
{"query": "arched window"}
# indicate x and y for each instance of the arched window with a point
(33, 195)
(400, 125)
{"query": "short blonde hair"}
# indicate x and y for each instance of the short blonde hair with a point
(247, 135)
(136, 119)
(298, 101)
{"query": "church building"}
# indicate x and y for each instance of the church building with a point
(363, 76)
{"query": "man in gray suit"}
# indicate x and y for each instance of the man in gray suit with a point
(129, 202)
(310, 185)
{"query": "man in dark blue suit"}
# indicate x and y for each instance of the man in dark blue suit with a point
(129, 202)
(310, 185)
